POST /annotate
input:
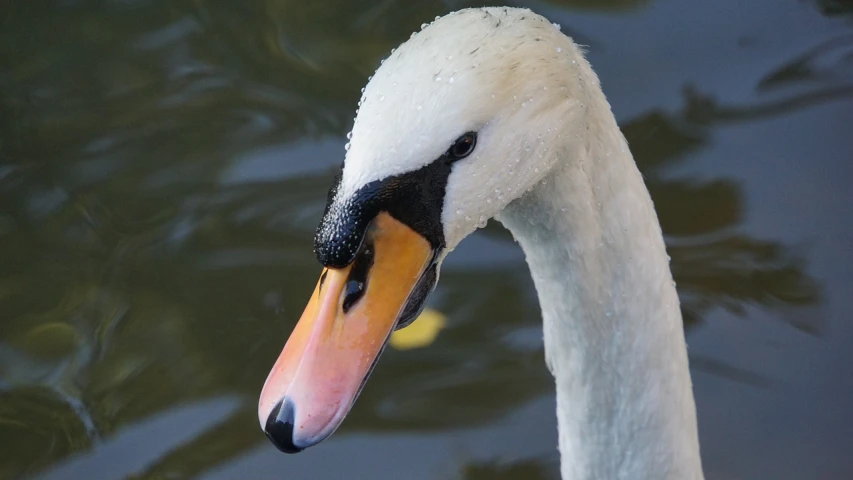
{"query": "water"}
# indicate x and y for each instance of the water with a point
(163, 167)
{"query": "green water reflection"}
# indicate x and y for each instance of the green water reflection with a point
(163, 166)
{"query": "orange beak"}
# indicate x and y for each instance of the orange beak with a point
(341, 334)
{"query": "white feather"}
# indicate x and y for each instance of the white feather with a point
(552, 165)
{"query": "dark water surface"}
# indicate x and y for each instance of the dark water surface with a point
(163, 166)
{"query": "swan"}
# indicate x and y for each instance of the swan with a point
(493, 112)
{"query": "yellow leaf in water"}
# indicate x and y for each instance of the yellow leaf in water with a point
(52, 340)
(419, 333)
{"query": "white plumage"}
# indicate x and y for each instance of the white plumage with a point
(552, 165)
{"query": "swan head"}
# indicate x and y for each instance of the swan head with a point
(462, 119)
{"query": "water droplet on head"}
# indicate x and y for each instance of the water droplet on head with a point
(459, 211)
(349, 136)
(420, 107)
(346, 147)
(437, 78)
(381, 98)
(423, 26)
(557, 26)
(559, 49)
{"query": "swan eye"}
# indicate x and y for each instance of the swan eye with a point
(462, 147)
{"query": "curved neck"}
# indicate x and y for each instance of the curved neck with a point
(614, 338)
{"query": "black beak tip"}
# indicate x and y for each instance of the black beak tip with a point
(279, 427)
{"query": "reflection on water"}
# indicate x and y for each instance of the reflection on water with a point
(532, 470)
(163, 166)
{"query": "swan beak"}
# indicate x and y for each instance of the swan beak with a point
(340, 335)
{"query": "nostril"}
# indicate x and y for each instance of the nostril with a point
(279, 427)
(357, 278)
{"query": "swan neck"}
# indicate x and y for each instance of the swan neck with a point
(613, 331)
